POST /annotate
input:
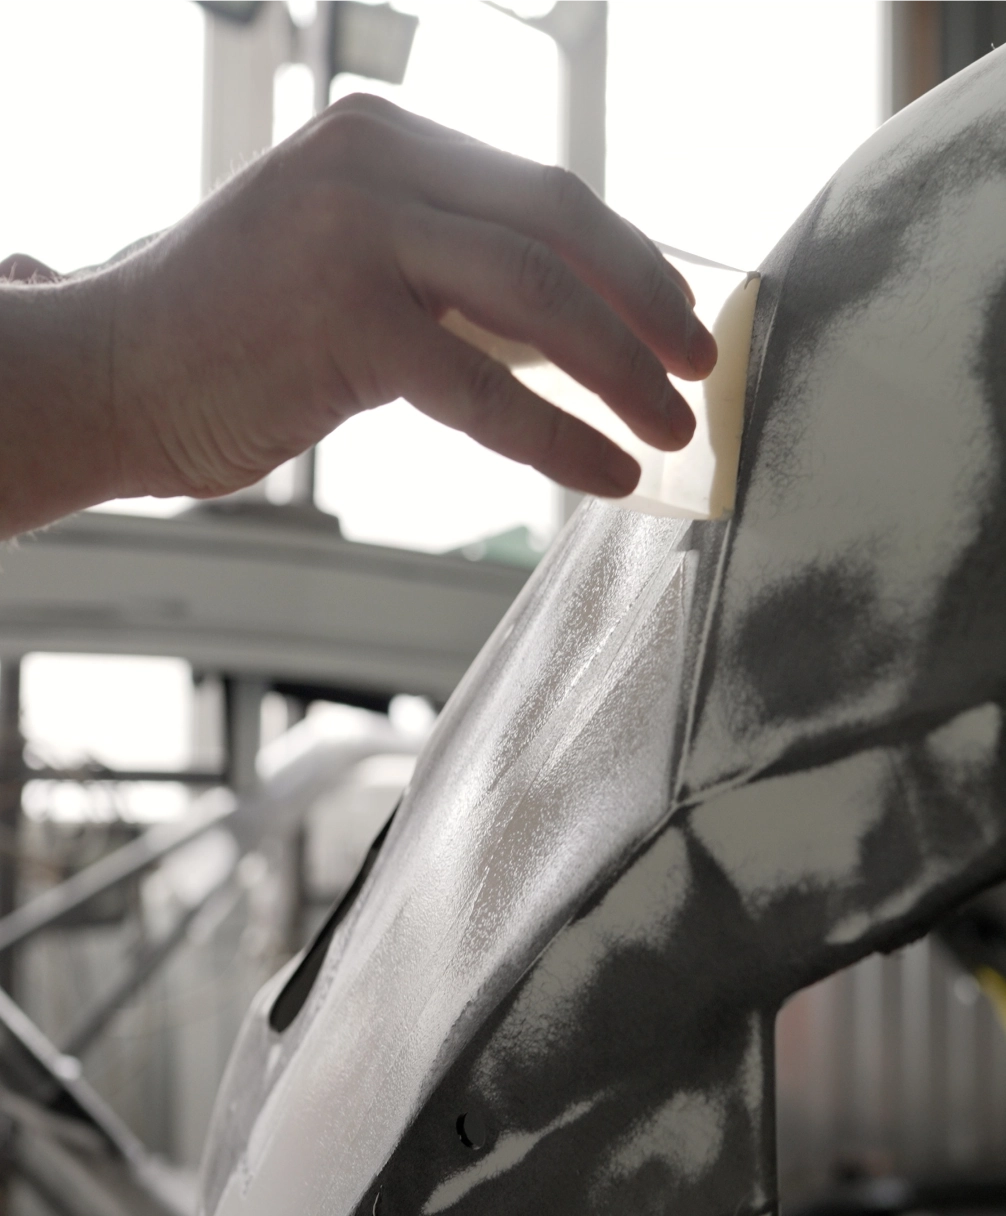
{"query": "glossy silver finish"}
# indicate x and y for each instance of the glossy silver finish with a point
(523, 797)
(695, 768)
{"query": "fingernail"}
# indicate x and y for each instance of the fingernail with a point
(701, 345)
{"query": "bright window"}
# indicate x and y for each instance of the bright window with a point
(100, 124)
(726, 119)
(122, 711)
(394, 476)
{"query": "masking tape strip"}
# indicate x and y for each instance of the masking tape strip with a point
(695, 258)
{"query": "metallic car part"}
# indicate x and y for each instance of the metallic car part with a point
(695, 768)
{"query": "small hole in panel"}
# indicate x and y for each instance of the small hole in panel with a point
(472, 1130)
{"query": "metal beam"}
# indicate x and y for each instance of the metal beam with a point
(912, 56)
(93, 773)
(92, 1023)
(240, 63)
(243, 704)
(271, 812)
(32, 1067)
(926, 42)
(62, 901)
(271, 601)
(11, 787)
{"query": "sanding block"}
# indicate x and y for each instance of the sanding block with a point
(698, 482)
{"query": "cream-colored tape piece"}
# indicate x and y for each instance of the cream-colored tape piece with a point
(701, 479)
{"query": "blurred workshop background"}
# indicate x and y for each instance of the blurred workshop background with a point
(207, 711)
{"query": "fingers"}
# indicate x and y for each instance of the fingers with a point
(519, 288)
(462, 176)
(555, 207)
(459, 386)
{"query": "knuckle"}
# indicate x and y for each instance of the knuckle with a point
(361, 103)
(564, 191)
(640, 364)
(349, 390)
(484, 380)
(542, 279)
(551, 444)
(658, 294)
(350, 136)
(487, 385)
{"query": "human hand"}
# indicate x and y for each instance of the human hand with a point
(310, 286)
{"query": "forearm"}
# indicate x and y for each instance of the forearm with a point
(58, 447)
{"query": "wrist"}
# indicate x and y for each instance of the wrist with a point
(59, 446)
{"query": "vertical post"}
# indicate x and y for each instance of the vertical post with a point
(582, 34)
(304, 468)
(243, 699)
(584, 120)
(912, 52)
(297, 914)
(926, 43)
(208, 727)
(239, 70)
(281, 852)
(314, 45)
(970, 30)
(11, 786)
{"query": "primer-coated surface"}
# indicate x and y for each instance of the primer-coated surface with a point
(695, 768)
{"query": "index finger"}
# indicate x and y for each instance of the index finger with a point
(555, 207)
(381, 108)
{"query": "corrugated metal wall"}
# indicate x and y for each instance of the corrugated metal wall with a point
(897, 1064)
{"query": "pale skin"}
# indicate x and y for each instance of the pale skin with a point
(309, 288)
